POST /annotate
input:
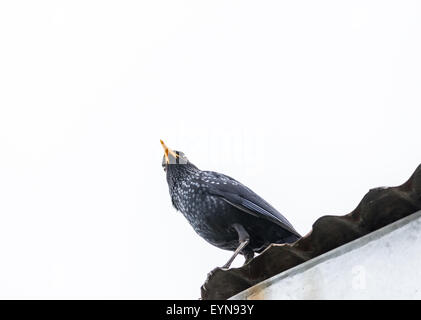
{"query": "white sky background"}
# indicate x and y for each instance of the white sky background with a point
(309, 103)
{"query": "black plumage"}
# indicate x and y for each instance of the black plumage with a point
(223, 211)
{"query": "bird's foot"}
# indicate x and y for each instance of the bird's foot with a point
(226, 266)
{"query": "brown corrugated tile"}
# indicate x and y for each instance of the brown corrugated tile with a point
(378, 208)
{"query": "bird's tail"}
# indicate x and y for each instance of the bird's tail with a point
(290, 239)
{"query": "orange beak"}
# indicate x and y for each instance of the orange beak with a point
(167, 151)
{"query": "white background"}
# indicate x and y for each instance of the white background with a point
(309, 103)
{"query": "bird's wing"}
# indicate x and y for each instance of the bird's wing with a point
(241, 197)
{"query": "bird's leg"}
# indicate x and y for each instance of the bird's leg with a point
(243, 238)
(236, 252)
(248, 255)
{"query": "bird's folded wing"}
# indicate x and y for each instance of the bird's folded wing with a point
(246, 200)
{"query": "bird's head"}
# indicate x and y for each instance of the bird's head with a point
(172, 157)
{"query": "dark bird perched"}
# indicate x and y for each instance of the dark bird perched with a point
(223, 211)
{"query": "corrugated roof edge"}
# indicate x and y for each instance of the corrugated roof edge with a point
(378, 208)
(348, 247)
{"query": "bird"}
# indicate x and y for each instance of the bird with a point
(223, 211)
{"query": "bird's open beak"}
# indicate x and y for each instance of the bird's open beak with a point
(167, 151)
